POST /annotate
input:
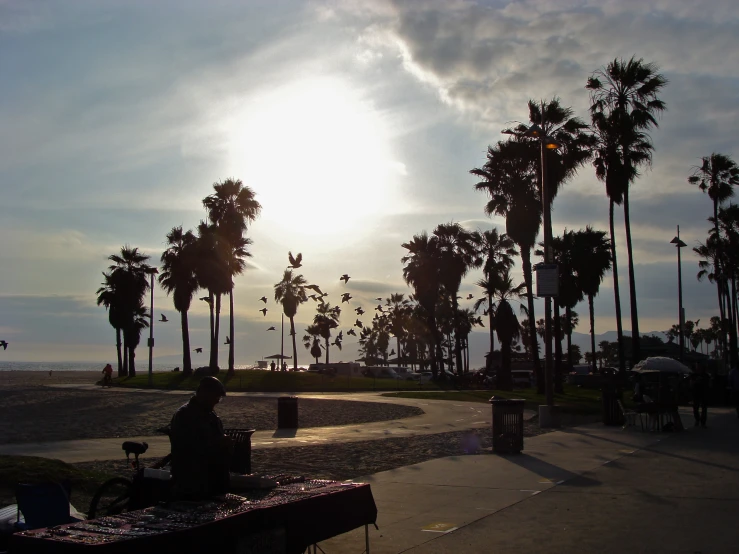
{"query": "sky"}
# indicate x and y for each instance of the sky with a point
(355, 123)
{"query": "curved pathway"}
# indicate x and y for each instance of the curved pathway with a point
(439, 416)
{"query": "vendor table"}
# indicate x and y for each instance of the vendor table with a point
(289, 518)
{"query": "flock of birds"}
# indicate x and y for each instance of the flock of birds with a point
(317, 296)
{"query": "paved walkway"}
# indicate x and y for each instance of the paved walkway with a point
(439, 416)
(584, 489)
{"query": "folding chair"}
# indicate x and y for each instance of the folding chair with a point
(630, 417)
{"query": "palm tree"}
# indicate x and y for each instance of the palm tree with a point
(421, 271)
(717, 176)
(506, 325)
(397, 315)
(459, 251)
(326, 320)
(312, 341)
(129, 273)
(591, 260)
(230, 208)
(213, 274)
(110, 296)
(510, 177)
(178, 278)
(498, 251)
(290, 292)
(624, 103)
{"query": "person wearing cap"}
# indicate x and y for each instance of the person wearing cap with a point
(200, 449)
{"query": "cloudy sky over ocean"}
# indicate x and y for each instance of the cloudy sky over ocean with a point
(355, 123)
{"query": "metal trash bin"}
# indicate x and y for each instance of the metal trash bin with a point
(610, 410)
(241, 457)
(507, 425)
(287, 412)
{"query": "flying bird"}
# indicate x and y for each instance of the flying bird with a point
(351, 332)
(164, 318)
(378, 299)
(313, 297)
(206, 299)
(470, 296)
(295, 262)
(341, 335)
(344, 278)
(4, 344)
(392, 352)
(270, 328)
(358, 324)
(264, 311)
(337, 343)
(359, 310)
(346, 297)
(379, 307)
(199, 350)
(263, 299)
(314, 288)
(228, 340)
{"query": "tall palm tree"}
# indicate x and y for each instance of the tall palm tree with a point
(421, 270)
(717, 176)
(235, 255)
(510, 177)
(109, 295)
(312, 341)
(129, 272)
(506, 325)
(498, 251)
(326, 320)
(591, 260)
(397, 314)
(624, 102)
(214, 275)
(459, 251)
(290, 292)
(178, 278)
(230, 208)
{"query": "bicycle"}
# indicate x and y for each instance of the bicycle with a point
(119, 494)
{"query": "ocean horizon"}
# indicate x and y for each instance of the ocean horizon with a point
(86, 366)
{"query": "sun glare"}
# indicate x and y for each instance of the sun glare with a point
(318, 156)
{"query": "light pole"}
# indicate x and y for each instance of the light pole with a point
(681, 318)
(547, 413)
(151, 271)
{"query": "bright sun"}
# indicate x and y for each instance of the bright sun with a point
(317, 155)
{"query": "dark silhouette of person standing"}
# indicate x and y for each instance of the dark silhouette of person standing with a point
(700, 381)
(272, 366)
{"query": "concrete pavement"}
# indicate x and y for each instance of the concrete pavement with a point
(439, 416)
(584, 489)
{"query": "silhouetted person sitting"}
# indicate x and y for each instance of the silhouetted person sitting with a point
(699, 384)
(200, 450)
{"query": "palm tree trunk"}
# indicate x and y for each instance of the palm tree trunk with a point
(635, 337)
(433, 345)
(457, 338)
(558, 374)
(327, 349)
(617, 297)
(526, 259)
(211, 306)
(295, 348)
(124, 373)
(504, 373)
(397, 345)
(186, 361)
(489, 364)
(132, 362)
(731, 302)
(231, 329)
(568, 316)
(216, 332)
(592, 329)
(121, 373)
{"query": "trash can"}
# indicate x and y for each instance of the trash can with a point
(241, 457)
(507, 425)
(611, 411)
(287, 412)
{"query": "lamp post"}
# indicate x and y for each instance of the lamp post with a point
(151, 271)
(681, 317)
(547, 413)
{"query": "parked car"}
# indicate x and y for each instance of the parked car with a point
(422, 377)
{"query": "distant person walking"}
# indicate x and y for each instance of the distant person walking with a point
(700, 381)
(272, 366)
(108, 375)
(734, 388)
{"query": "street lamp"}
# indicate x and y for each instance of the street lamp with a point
(681, 316)
(151, 271)
(548, 270)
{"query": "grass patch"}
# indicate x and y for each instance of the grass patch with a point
(274, 381)
(574, 401)
(31, 469)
